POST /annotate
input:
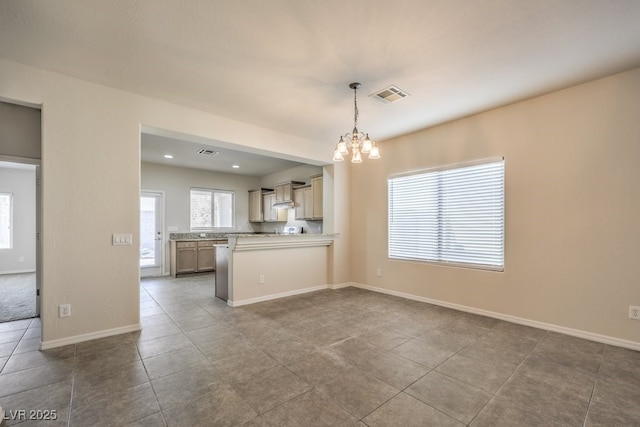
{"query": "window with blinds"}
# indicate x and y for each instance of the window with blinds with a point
(450, 215)
(211, 209)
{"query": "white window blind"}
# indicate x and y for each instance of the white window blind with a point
(211, 209)
(453, 216)
(6, 218)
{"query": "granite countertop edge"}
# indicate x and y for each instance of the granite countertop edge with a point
(190, 238)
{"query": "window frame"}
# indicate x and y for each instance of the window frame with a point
(213, 192)
(11, 225)
(442, 220)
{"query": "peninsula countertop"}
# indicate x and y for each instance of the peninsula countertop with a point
(188, 237)
(245, 242)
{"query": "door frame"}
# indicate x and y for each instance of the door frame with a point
(156, 271)
(38, 236)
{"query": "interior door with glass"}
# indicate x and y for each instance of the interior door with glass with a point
(151, 237)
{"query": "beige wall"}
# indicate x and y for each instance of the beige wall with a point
(337, 220)
(176, 182)
(286, 271)
(90, 190)
(572, 209)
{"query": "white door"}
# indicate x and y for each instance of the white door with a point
(151, 236)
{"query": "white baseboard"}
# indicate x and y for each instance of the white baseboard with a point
(605, 339)
(275, 296)
(45, 345)
(341, 285)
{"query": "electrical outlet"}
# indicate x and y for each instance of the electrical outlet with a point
(379, 272)
(634, 312)
(261, 279)
(64, 310)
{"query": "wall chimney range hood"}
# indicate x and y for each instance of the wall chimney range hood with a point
(284, 205)
(284, 194)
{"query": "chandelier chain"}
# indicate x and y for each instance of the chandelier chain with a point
(355, 108)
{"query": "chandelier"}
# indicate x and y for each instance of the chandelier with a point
(358, 142)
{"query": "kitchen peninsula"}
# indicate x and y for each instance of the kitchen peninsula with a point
(262, 267)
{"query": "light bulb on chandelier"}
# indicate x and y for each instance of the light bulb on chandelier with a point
(358, 142)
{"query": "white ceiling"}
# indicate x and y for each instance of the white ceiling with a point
(286, 64)
(185, 154)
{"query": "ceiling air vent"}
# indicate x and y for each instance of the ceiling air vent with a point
(390, 94)
(207, 152)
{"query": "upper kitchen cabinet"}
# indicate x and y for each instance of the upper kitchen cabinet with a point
(284, 191)
(308, 200)
(256, 204)
(303, 202)
(316, 190)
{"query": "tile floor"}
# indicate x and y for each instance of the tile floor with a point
(329, 358)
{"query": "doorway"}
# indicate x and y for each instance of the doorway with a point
(152, 240)
(19, 241)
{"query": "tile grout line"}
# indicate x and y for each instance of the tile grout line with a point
(73, 380)
(511, 375)
(494, 394)
(155, 394)
(593, 389)
(13, 352)
(434, 370)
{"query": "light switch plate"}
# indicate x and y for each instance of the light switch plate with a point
(121, 239)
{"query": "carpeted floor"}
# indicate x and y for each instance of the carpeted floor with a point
(17, 296)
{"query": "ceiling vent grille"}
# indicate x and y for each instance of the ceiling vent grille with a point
(390, 94)
(207, 152)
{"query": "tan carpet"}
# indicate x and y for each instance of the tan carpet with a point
(17, 296)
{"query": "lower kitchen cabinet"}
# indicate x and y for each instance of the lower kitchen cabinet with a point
(206, 256)
(196, 256)
(184, 257)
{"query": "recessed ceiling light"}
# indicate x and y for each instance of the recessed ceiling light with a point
(235, 166)
(168, 156)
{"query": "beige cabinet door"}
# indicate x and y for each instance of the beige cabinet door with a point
(267, 207)
(186, 257)
(206, 256)
(298, 200)
(308, 203)
(256, 213)
(283, 192)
